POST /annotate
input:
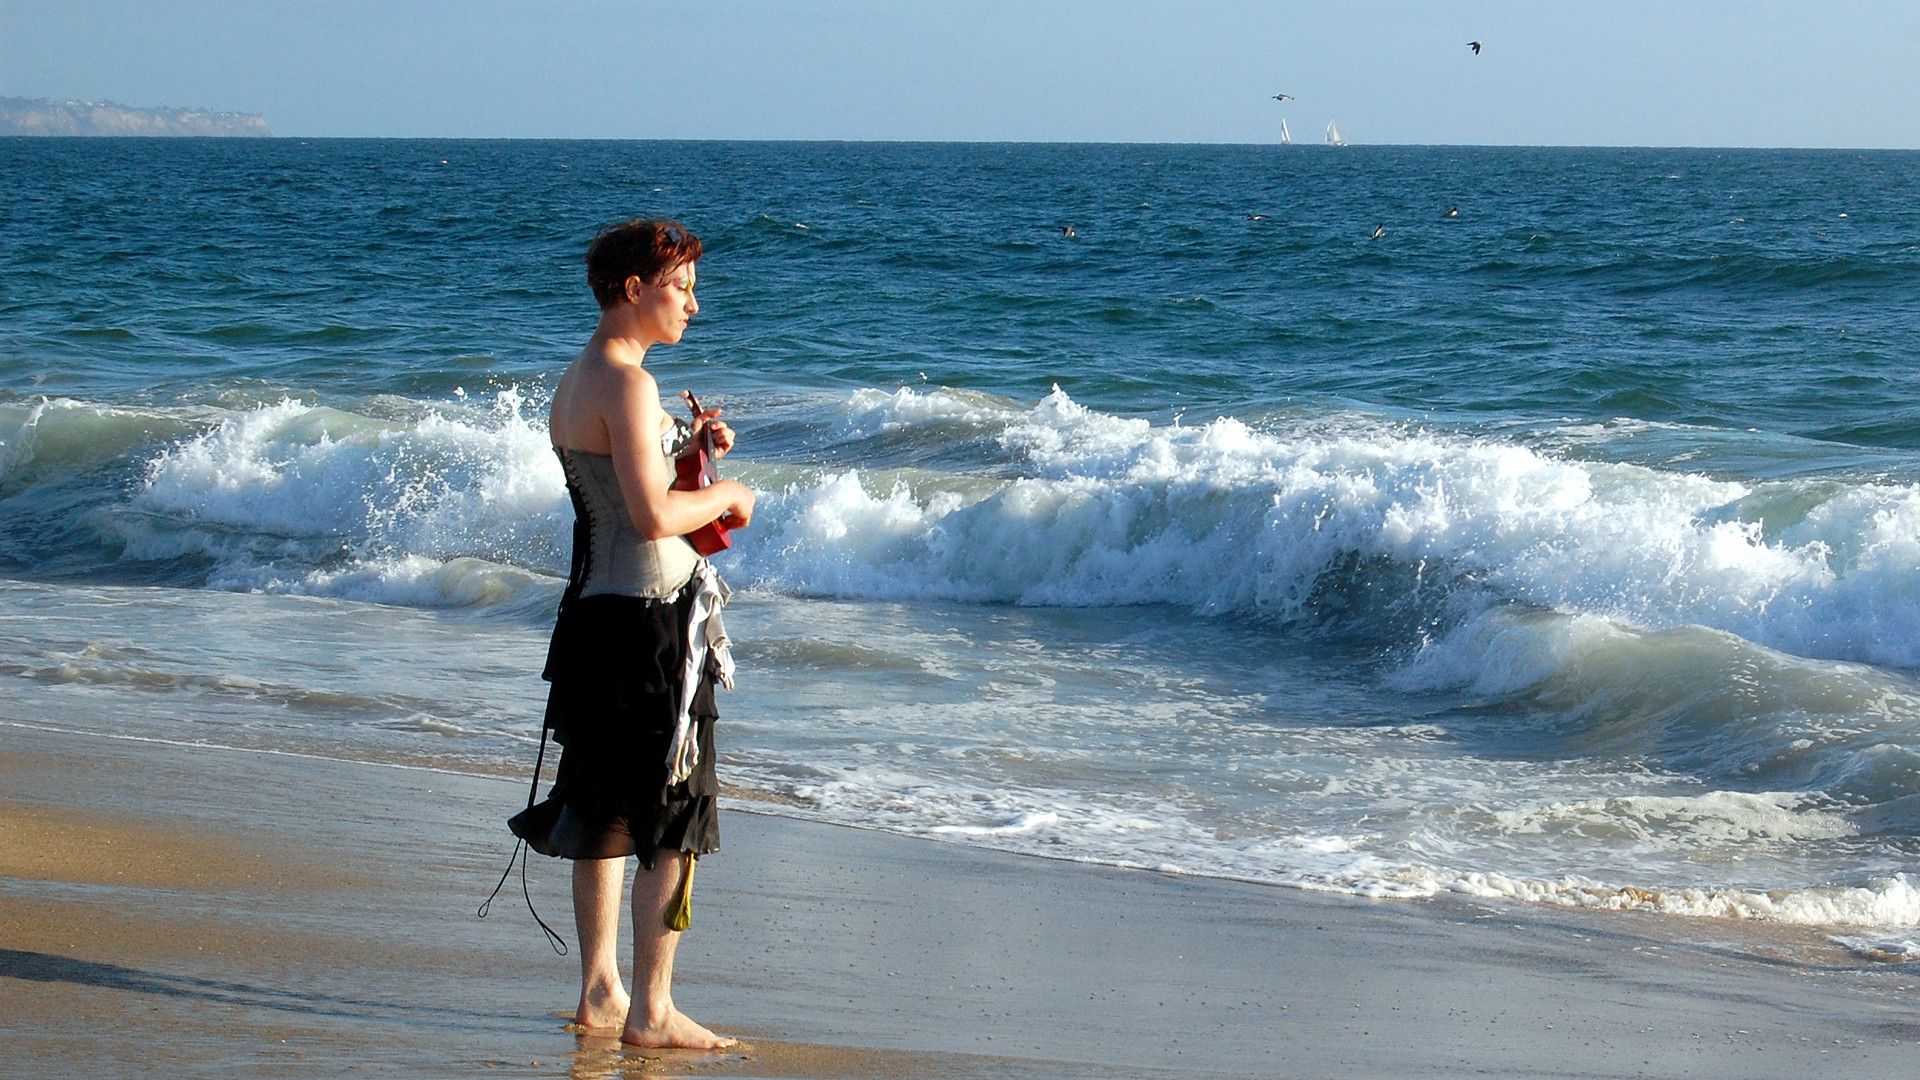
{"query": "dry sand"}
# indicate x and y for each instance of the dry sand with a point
(174, 911)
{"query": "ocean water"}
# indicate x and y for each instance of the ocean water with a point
(1565, 548)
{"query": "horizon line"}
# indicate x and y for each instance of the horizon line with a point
(1309, 145)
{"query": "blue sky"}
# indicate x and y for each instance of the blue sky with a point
(1673, 73)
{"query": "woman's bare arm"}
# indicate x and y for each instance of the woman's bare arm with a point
(634, 420)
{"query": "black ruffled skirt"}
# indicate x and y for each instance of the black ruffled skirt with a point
(615, 664)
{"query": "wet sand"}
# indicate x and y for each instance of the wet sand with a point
(177, 911)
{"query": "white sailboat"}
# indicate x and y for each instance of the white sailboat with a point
(1333, 135)
(1286, 137)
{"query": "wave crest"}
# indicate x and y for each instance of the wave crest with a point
(450, 507)
(1292, 526)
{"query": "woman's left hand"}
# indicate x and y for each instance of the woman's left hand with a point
(721, 435)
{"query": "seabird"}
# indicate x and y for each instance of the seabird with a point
(1256, 217)
(1378, 232)
(1066, 230)
(1452, 211)
(1283, 97)
(1475, 46)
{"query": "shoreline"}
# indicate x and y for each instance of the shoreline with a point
(209, 905)
(756, 802)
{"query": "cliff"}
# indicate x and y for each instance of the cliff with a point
(44, 116)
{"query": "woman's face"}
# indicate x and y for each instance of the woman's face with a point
(665, 306)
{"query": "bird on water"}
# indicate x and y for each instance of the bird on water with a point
(1067, 230)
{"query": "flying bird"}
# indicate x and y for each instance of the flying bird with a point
(1067, 231)
(1283, 97)
(1452, 211)
(1378, 232)
(1475, 46)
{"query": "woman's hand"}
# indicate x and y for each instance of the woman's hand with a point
(740, 498)
(709, 420)
(739, 512)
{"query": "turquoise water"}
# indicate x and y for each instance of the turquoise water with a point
(1565, 543)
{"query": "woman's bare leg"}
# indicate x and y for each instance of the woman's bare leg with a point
(596, 918)
(653, 1021)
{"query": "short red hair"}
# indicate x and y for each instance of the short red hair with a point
(636, 248)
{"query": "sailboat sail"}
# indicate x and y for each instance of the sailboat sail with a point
(1286, 138)
(1333, 135)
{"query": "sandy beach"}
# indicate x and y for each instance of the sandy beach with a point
(181, 911)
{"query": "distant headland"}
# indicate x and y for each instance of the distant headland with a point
(46, 116)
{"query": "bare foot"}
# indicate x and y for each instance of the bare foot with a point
(674, 1030)
(602, 1007)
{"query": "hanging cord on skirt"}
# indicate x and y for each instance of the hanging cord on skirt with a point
(520, 852)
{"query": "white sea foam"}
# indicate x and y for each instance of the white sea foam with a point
(872, 411)
(1722, 817)
(1886, 948)
(411, 581)
(1219, 517)
(1110, 829)
(1886, 902)
(455, 506)
(1025, 823)
(1222, 517)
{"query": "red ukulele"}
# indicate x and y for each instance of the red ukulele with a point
(693, 470)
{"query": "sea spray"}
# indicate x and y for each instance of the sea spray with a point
(448, 506)
(1291, 524)
(1223, 517)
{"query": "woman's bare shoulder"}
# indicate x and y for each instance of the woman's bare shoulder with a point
(602, 392)
(610, 371)
(606, 381)
(631, 374)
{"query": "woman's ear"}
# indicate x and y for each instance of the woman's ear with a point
(636, 288)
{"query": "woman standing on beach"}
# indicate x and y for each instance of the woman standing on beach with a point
(637, 646)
